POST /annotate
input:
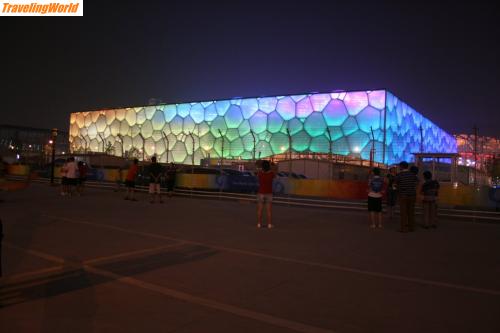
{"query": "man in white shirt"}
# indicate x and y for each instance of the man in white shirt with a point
(71, 174)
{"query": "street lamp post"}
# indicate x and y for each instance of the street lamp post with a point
(167, 145)
(222, 149)
(86, 144)
(192, 153)
(330, 153)
(53, 136)
(289, 152)
(121, 143)
(254, 147)
(103, 142)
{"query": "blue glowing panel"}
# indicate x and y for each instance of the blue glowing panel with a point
(403, 129)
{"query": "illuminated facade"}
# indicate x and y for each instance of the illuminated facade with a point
(260, 127)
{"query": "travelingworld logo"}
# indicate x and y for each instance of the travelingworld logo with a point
(41, 8)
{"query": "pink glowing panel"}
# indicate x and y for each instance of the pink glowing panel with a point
(267, 104)
(319, 101)
(286, 108)
(335, 113)
(377, 99)
(355, 102)
(304, 108)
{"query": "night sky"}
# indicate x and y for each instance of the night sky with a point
(441, 59)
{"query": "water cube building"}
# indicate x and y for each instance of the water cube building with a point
(343, 123)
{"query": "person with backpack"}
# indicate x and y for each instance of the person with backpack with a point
(430, 191)
(375, 192)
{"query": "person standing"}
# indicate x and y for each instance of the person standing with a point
(171, 174)
(430, 191)
(1, 237)
(391, 194)
(155, 173)
(130, 180)
(64, 178)
(375, 192)
(71, 174)
(406, 183)
(265, 193)
(82, 176)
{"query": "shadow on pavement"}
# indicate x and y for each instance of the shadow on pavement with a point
(74, 277)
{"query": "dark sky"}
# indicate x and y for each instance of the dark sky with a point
(441, 59)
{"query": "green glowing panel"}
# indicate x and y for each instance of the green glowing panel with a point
(264, 149)
(244, 128)
(218, 126)
(300, 141)
(232, 134)
(320, 144)
(315, 124)
(258, 122)
(158, 120)
(350, 126)
(179, 152)
(274, 122)
(176, 125)
(295, 126)
(279, 143)
(188, 125)
(147, 129)
(237, 147)
(207, 141)
(341, 146)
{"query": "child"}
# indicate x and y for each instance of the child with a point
(265, 194)
(375, 187)
(430, 191)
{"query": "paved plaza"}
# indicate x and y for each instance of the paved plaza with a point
(98, 263)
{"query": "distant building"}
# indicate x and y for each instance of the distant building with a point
(371, 125)
(486, 148)
(28, 140)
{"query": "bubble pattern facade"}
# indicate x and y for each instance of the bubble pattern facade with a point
(312, 120)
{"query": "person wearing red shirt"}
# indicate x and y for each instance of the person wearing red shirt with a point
(130, 180)
(265, 194)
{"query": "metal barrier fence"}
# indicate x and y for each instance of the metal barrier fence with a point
(462, 214)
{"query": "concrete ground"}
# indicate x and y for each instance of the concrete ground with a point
(98, 263)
